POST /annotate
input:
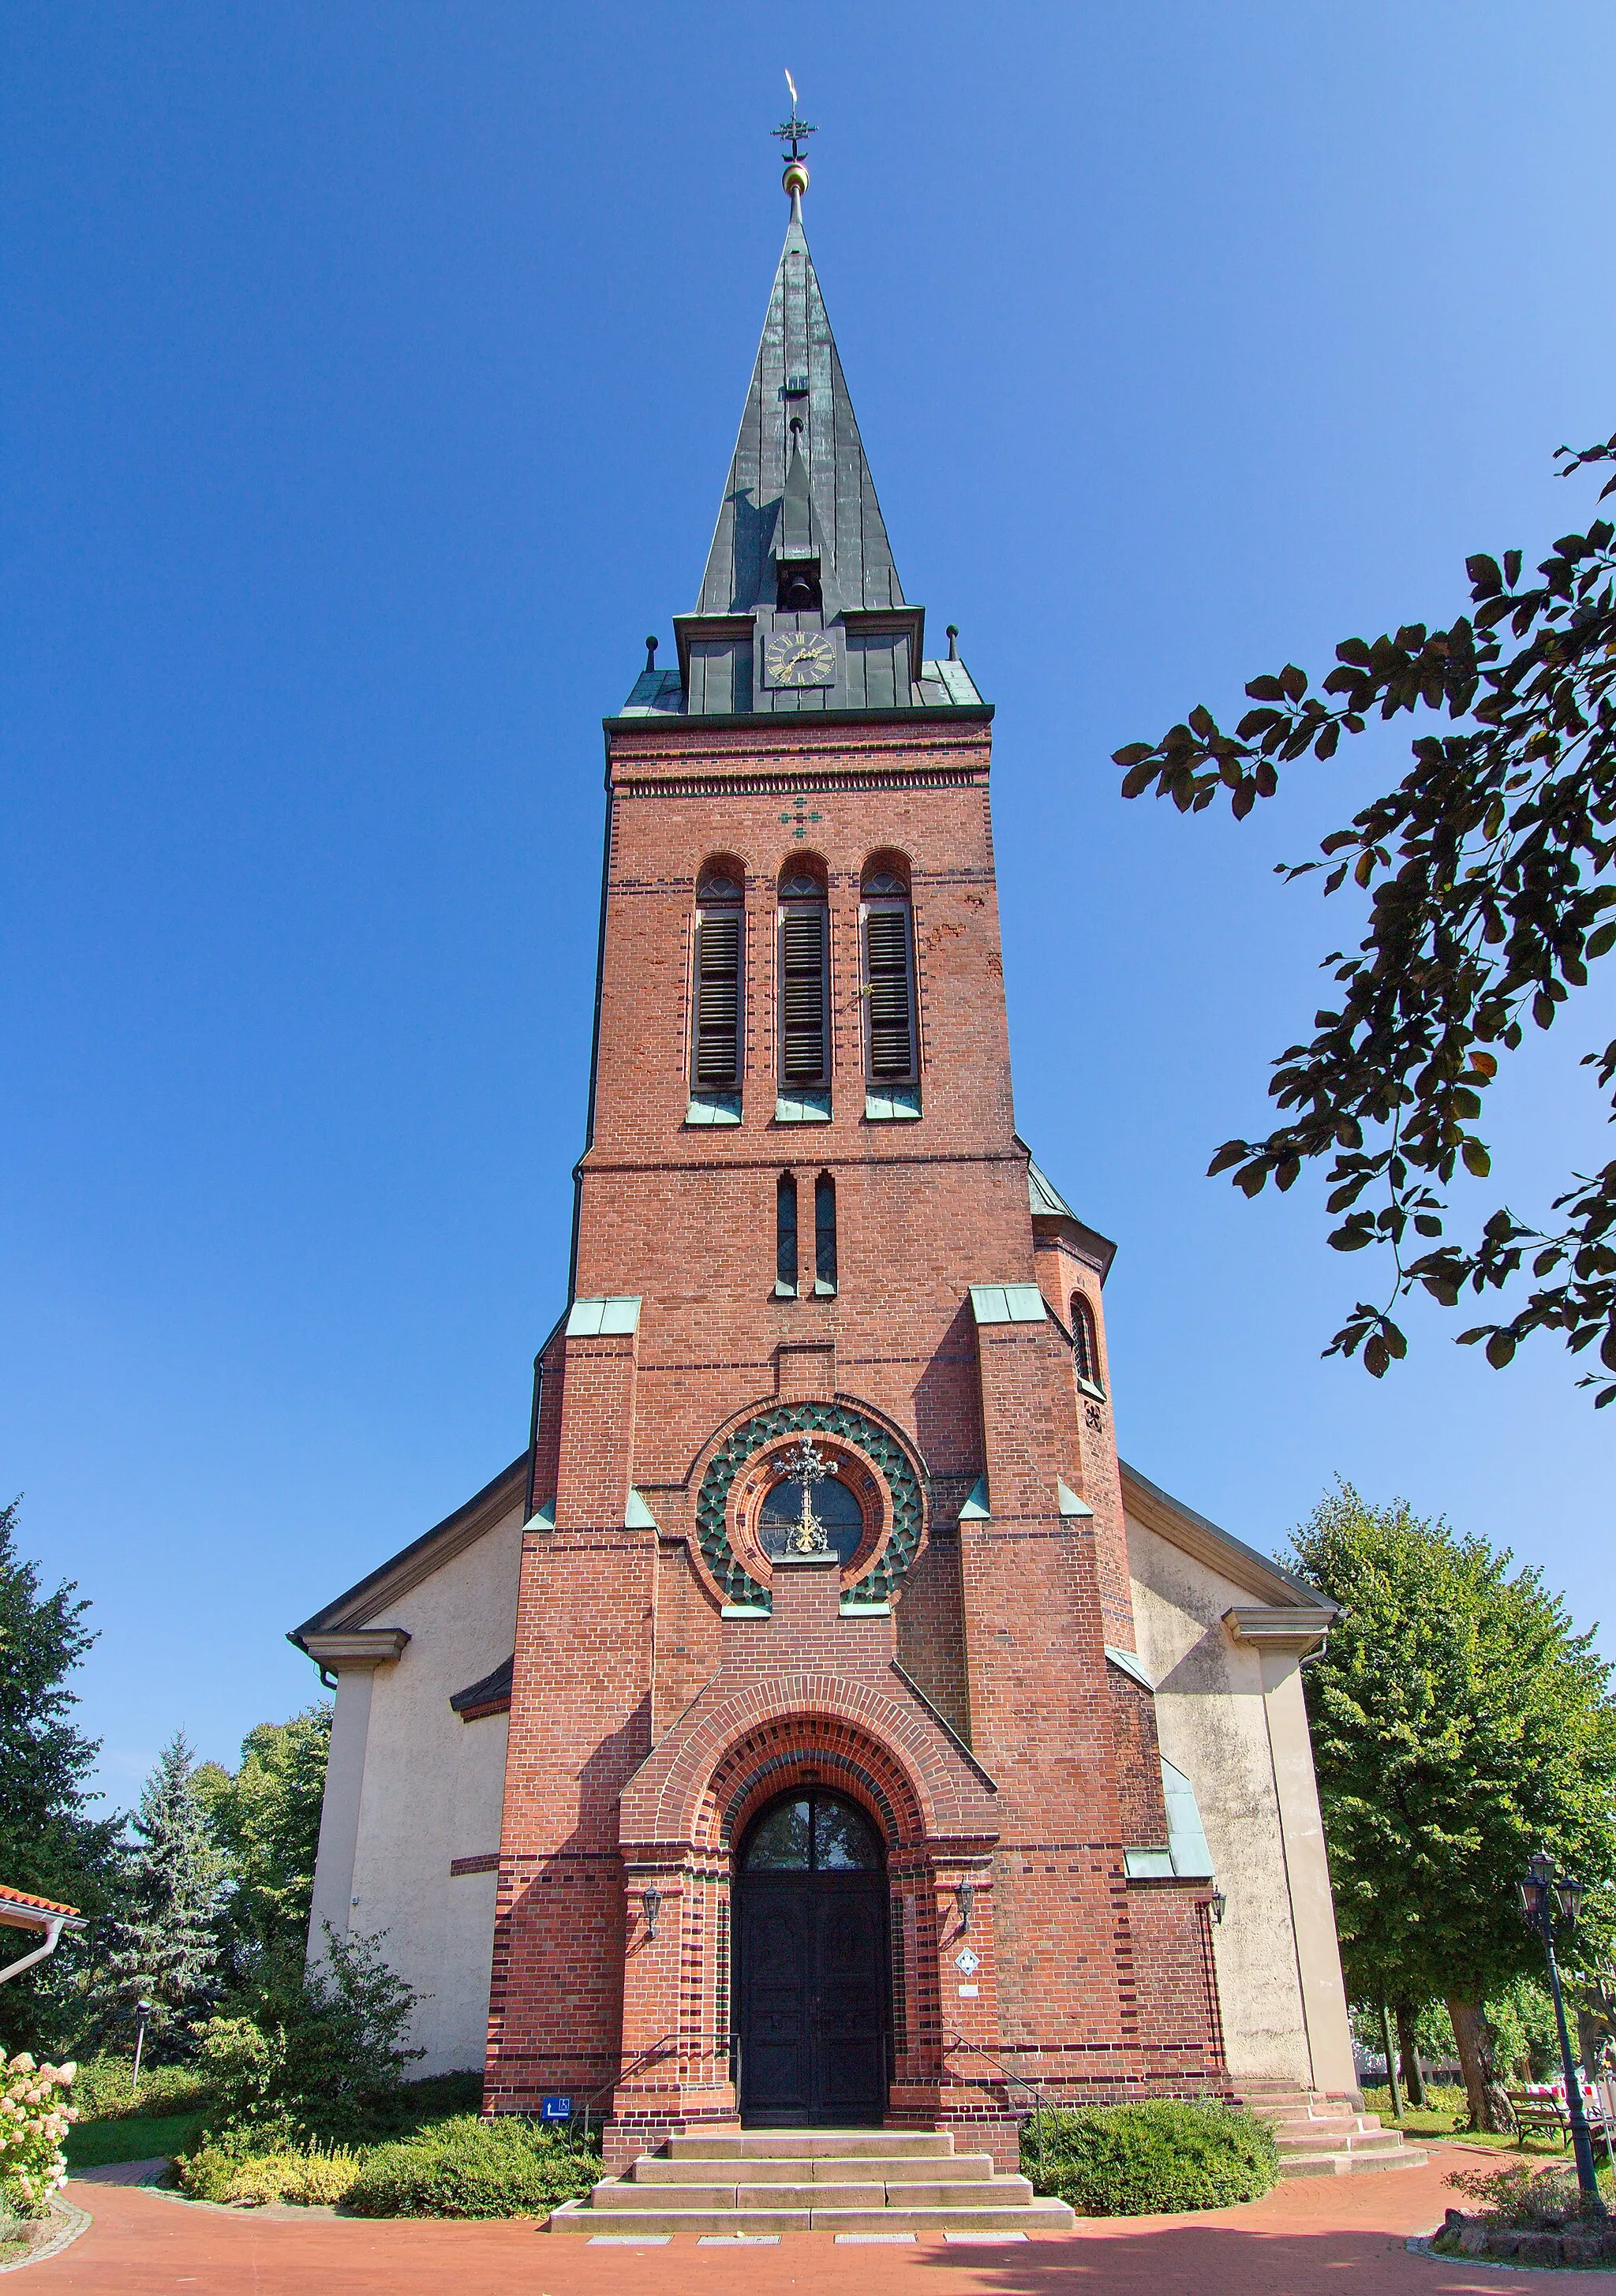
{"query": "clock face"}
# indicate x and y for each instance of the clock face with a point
(799, 658)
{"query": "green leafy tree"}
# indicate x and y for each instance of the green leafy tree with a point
(266, 1818)
(1458, 1724)
(50, 1845)
(165, 1942)
(1491, 872)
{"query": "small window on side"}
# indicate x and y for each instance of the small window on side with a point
(1085, 1344)
(824, 1234)
(785, 1236)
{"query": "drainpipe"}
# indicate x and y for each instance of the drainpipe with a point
(53, 1930)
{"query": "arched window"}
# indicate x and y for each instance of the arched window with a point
(785, 1236)
(835, 1508)
(1085, 1344)
(810, 1832)
(824, 1234)
(888, 973)
(805, 1036)
(720, 917)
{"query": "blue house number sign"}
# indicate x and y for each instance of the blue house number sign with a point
(556, 2107)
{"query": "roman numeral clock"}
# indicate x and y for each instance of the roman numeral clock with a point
(795, 658)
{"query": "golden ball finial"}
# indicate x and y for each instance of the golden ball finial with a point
(795, 180)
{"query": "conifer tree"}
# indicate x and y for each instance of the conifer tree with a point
(166, 1945)
(49, 1843)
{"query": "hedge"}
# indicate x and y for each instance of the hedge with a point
(312, 2178)
(473, 2167)
(1151, 2159)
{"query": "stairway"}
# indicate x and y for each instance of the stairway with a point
(761, 2182)
(1321, 2135)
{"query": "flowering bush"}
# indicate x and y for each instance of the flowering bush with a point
(1529, 2198)
(34, 2119)
(252, 2180)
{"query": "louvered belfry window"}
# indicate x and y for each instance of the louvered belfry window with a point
(889, 992)
(720, 917)
(804, 1032)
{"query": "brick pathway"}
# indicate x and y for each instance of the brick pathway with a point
(1311, 2238)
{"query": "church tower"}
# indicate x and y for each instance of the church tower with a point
(833, 1788)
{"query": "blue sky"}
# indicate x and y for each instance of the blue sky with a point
(372, 379)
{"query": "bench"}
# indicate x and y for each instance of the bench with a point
(1535, 2110)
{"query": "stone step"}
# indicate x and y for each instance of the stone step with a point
(615, 2199)
(1028, 2215)
(576, 2217)
(811, 2144)
(1325, 2134)
(1350, 2164)
(929, 2168)
(1352, 2140)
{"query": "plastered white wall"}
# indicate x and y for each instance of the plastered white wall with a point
(433, 1791)
(1222, 1710)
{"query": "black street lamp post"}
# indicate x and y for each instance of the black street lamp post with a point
(1538, 1894)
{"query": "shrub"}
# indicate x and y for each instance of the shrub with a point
(310, 2179)
(472, 2168)
(411, 2105)
(1153, 2158)
(103, 2089)
(35, 2117)
(1525, 2198)
(315, 2051)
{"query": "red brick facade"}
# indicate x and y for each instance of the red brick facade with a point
(977, 1719)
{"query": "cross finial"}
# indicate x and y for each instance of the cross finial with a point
(808, 1466)
(792, 131)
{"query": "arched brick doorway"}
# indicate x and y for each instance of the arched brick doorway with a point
(809, 1897)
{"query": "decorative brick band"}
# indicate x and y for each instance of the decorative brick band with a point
(487, 1862)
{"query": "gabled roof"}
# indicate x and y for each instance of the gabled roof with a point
(1046, 1203)
(798, 373)
(422, 1556)
(19, 1909)
(1230, 1556)
(487, 1695)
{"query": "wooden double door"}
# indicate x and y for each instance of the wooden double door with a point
(811, 1998)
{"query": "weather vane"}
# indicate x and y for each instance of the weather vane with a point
(792, 131)
(793, 127)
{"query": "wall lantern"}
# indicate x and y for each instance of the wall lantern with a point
(651, 1899)
(964, 1897)
(1220, 1906)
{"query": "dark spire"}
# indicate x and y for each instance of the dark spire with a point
(800, 547)
(797, 375)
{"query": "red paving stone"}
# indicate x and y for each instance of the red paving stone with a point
(1304, 2240)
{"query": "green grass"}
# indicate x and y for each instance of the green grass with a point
(1446, 2115)
(98, 2143)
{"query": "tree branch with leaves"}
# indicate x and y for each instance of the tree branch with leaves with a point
(1491, 875)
